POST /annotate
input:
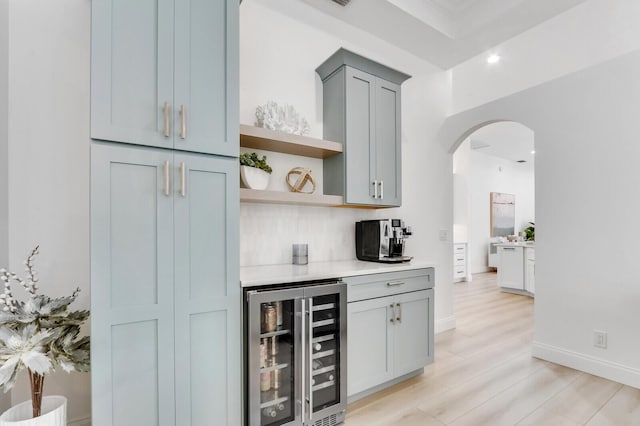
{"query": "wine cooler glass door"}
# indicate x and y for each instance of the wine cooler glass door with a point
(326, 332)
(273, 345)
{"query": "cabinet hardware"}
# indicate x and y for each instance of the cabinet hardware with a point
(303, 346)
(375, 189)
(393, 313)
(395, 283)
(399, 317)
(509, 248)
(167, 129)
(183, 183)
(381, 189)
(166, 178)
(183, 122)
(310, 369)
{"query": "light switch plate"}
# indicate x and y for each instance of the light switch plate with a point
(444, 235)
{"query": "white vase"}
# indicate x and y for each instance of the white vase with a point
(254, 178)
(54, 413)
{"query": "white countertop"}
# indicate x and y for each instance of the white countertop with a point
(525, 244)
(251, 276)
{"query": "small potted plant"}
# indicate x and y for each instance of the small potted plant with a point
(37, 334)
(530, 232)
(254, 171)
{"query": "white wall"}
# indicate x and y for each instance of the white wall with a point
(278, 57)
(588, 34)
(485, 174)
(49, 46)
(5, 398)
(586, 134)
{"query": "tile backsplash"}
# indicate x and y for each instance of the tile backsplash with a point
(268, 231)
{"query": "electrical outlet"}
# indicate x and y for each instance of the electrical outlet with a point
(600, 339)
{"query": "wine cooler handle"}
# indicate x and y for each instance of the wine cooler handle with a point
(310, 369)
(303, 358)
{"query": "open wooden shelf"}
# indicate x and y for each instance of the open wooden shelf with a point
(296, 198)
(270, 140)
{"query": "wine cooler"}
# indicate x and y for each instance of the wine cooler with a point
(296, 355)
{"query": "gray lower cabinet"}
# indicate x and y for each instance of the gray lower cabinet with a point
(164, 73)
(390, 328)
(165, 298)
(361, 110)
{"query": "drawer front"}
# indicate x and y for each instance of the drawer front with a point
(459, 259)
(459, 272)
(531, 253)
(459, 248)
(364, 287)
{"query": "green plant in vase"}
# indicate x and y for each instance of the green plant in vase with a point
(251, 159)
(38, 333)
(254, 171)
(530, 232)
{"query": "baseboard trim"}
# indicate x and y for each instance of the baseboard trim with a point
(80, 421)
(589, 364)
(444, 324)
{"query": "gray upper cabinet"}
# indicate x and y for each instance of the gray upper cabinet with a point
(164, 74)
(361, 109)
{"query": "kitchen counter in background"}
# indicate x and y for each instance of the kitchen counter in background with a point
(252, 276)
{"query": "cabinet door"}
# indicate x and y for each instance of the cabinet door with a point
(207, 291)
(132, 374)
(511, 267)
(131, 70)
(413, 331)
(531, 276)
(360, 133)
(387, 143)
(206, 76)
(369, 351)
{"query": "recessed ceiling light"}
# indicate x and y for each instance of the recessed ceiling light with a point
(533, 152)
(493, 59)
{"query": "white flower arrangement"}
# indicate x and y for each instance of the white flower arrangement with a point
(38, 333)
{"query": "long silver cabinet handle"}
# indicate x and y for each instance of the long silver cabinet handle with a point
(166, 178)
(183, 180)
(399, 317)
(393, 313)
(375, 189)
(381, 189)
(167, 122)
(303, 358)
(310, 376)
(183, 122)
(394, 283)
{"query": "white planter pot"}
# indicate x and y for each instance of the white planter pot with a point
(254, 178)
(54, 413)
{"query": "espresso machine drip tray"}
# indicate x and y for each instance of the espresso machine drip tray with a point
(396, 259)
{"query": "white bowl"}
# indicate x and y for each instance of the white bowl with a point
(254, 178)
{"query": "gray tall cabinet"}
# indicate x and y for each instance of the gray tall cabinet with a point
(361, 110)
(165, 293)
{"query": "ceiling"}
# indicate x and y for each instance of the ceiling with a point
(505, 139)
(445, 32)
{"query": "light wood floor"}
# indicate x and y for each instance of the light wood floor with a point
(484, 374)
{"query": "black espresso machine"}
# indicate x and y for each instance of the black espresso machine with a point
(382, 240)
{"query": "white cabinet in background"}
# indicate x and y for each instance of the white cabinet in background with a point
(516, 269)
(530, 270)
(459, 262)
(511, 267)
